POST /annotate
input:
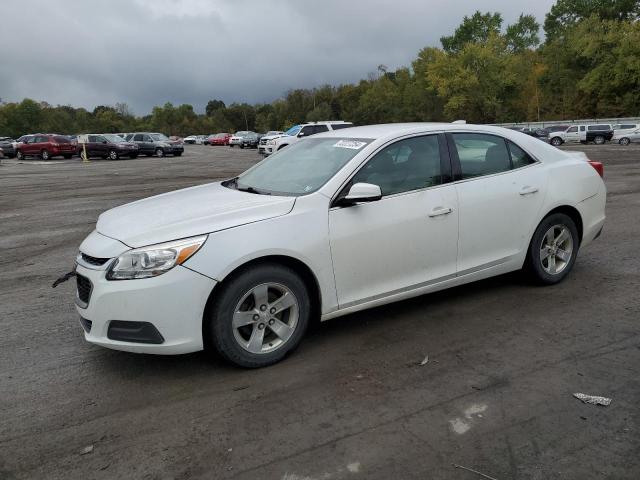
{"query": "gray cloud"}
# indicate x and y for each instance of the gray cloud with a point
(147, 52)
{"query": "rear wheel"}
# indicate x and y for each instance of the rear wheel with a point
(599, 139)
(113, 155)
(159, 152)
(19, 155)
(624, 141)
(45, 155)
(553, 249)
(133, 156)
(556, 141)
(259, 316)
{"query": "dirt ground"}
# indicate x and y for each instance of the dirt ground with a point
(496, 395)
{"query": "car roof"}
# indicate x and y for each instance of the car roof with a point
(396, 129)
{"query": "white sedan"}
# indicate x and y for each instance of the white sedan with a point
(338, 222)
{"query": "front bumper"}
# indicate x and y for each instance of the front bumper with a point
(173, 303)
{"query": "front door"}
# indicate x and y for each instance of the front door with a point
(572, 135)
(405, 240)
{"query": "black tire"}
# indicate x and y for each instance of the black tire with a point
(218, 329)
(113, 155)
(45, 155)
(242, 145)
(624, 141)
(133, 156)
(599, 140)
(230, 146)
(149, 154)
(556, 141)
(282, 146)
(19, 155)
(159, 152)
(534, 264)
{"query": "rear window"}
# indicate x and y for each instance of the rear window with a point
(61, 140)
(598, 127)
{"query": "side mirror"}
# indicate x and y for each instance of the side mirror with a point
(301, 134)
(361, 192)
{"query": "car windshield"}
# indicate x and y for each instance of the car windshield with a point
(113, 138)
(159, 136)
(293, 131)
(242, 133)
(272, 132)
(301, 168)
(220, 135)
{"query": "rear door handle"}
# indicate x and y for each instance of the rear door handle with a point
(436, 212)
(527, 190)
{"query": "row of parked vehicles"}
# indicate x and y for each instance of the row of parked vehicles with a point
(599, 134)
(104, 145)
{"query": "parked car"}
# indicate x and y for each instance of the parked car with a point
(598, 134)
(107, 145)
(556, 128)
(45, 146)
(192, 139)
(541, 133)
(375, 214)
(244, 139)
(626, 136)
(155, 144)
(7, 146)
(297, 132)
(270, 135)
(219, 139)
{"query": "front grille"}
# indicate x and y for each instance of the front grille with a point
(94, 260)
(84, 289)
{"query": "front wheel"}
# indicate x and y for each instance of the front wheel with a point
(45, 155)
(159, 152)
(259, 316)
(553, 249)
(624, 141)
(113, 155)
(556, 141)
(599, 140)
(19, 155)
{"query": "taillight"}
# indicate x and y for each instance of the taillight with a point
(598, 166)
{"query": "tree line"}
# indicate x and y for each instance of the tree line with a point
(484, 72)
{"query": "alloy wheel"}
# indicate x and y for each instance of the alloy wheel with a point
(265, 318)
(113, 155)
(45, 155)
(624, 141)
(556, 249)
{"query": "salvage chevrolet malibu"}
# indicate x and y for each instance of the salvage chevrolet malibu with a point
(338, 222)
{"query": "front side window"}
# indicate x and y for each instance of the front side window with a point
(406, 165)
(93, 139)
(481, 154)
(308, 130)
(300, 168)
(320, 129)
(138, 137)
(572, 130)
(159, 137)
(113, 138)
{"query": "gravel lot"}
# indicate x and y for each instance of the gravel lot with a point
(505, 358)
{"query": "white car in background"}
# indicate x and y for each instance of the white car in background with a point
(344, 221)
(270, 135)
(626, 133)
(297, 132)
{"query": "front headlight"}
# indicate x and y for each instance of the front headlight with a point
(154, 260)
(271, 142)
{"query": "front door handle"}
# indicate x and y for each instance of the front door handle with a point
(527, 190)
(436, 212)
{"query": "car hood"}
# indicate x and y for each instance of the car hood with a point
(189, 212)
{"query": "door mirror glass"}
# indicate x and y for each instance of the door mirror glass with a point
(301, 134)
(362, 192)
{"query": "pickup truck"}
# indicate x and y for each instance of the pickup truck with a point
(597, 134)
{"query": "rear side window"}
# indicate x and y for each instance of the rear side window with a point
(41, 139)
(138, 137)
(625, 126)
(481, 154)
(61, 140)
(93, 139)
(519, 158)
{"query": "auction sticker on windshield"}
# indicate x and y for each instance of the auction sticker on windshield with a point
(352, 144)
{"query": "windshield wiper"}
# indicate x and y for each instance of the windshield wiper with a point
(251, 190)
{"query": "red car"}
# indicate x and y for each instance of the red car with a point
(219, 139)
(45, 146)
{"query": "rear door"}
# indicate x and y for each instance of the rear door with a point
(500, 193)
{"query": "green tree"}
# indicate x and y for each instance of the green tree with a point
(474, 29)
(523, 34)
(213, 106)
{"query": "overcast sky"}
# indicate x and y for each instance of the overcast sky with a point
(148, 52)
